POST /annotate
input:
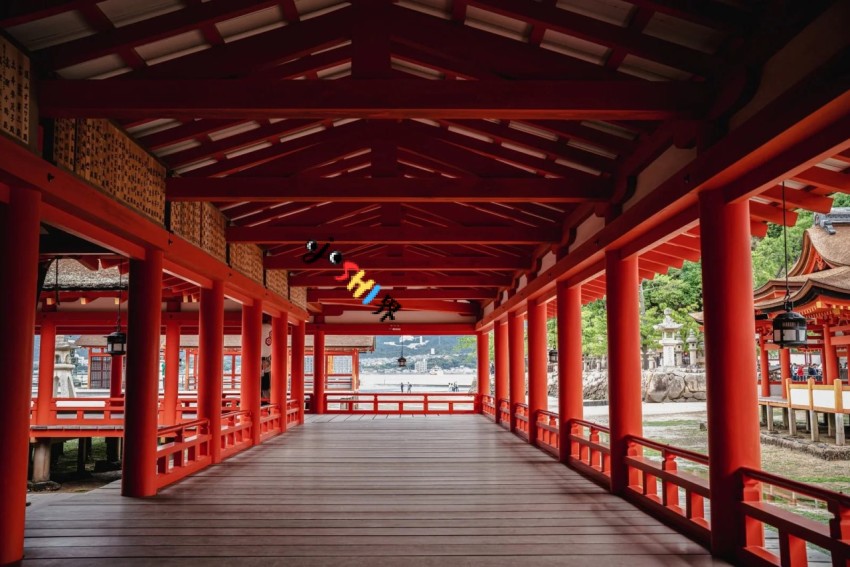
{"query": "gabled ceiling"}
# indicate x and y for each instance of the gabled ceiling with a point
(446, 147)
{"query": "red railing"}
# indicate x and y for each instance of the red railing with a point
(187, 408)
(587, 451)
(521, 417)
(548, 435)
(236, 429)
(293, 411)
(794, 530)
(657, 483)
(505, 413)
(84, 417)
(271, 421)
(488, 406)
(186, 450)
(397, 404)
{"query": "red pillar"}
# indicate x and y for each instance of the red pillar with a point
(116, 376)
(830, 357)
(210, 362)
(570, 367)
(538, 358)
(142, 391)
(172, 372)
(784, 366)
(482, 341)
(319, 371)
(46, 359)
(297, 385)
(624, 368)
(517, 363)
(733, 420)
(765, 367)
(19, 223)
(500, 336)
(252, 352)
(280, 336)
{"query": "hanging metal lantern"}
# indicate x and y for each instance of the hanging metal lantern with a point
(789, 330)
(116, 343)
(553, 356)
(402, 362)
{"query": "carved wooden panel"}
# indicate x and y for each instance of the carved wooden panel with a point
(14, 92)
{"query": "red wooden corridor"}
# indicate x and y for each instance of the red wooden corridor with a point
(382, 490)
(486, 163)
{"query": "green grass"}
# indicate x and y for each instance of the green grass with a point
(66, 464)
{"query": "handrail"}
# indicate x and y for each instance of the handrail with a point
(505, 412)
(587, 452)
(294, 407)
(794, 530)
(645, 475)
(521, 420)
(414, 403)
(488, 406)
(271, 421)
(236, 432)
(548, 432)
(186, 453)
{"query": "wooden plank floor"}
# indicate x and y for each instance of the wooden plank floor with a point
(363, 490)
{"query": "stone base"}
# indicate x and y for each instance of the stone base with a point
(820, 450)
(45, 486)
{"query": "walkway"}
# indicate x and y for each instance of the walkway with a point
(365, 490)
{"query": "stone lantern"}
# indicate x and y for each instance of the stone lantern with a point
(692, 347)
(670, 341)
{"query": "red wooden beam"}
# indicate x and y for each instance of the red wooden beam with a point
(188, 131)
(800, 199)
(320, 295)
(389, 99)
(503, 133)
(408, 279)
(610, 35)
(484, 54)
(148, 31)
(393, 328)
(447, 263)
(398, 235)
(832, 180)
(258, 53)
(398, 190)
(265, 133)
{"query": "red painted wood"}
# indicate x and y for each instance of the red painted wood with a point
(142, 390)
(502, 382)
(564, 100)
(172, 372)
(19, 245)
(210, 361)
(733, 439)
(570, 363)
(116, 377)
(624, 357)
(280, 362)
(611, 35)
(319, 372)
(398, 235)
(764, 362)
(830, 357)
(387, 190)
(146, 31)
(252, 337)
(516, 361)
(421, 263)
(538, 357)
(482, 341)
(46, 359)
(297, 381)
